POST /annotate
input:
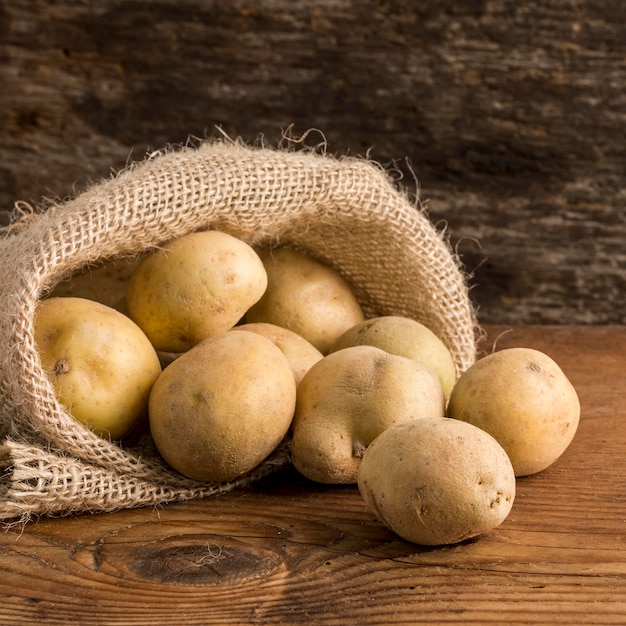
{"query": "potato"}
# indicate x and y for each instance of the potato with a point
(194, 287)
(100, 363)
(347, 399)
(405, 337)
(222, 407)
(522, 398)
(299, 352)
(437, 481)
(307, 297)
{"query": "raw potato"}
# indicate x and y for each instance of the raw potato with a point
(405, 337)
(194, 287)
(523, 398)
(100, 363)
(307, 297)
(347, 399)
(299, 352)
(221, 408)
(437, 481)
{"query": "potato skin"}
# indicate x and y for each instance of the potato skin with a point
(222, 407)
(405, 337)
(347, 399)
(100, 363)
(301, 354)
(437, 481)
(194, 287)
(522, 398)
(305, 296)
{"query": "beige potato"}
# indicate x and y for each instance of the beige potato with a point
(405, 337)
(222, 407)
(194, 287)
(522, 398)
(437, 481)
(307, 297)
(347, 399)
(100, 363)
(301, 354)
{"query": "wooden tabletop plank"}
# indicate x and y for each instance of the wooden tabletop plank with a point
(288, 551)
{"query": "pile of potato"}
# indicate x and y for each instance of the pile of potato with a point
(223, 351)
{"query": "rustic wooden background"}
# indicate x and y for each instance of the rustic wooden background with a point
(511, 115)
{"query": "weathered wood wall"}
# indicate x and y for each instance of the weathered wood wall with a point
(512, 115)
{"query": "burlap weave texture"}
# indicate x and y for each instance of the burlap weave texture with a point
(343, 211)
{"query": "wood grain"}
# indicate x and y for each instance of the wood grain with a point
(511, 116)
(288, 551)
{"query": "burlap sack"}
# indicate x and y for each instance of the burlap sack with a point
(344, 211)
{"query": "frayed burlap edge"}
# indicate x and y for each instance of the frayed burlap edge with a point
(344, 211)
(37, 481)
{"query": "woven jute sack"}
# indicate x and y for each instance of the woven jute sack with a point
(346, 212)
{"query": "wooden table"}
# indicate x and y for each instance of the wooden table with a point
(287, 551)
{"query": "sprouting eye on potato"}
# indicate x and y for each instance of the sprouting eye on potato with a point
(226, 351)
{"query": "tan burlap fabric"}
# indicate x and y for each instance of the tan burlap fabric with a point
(344, 211)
